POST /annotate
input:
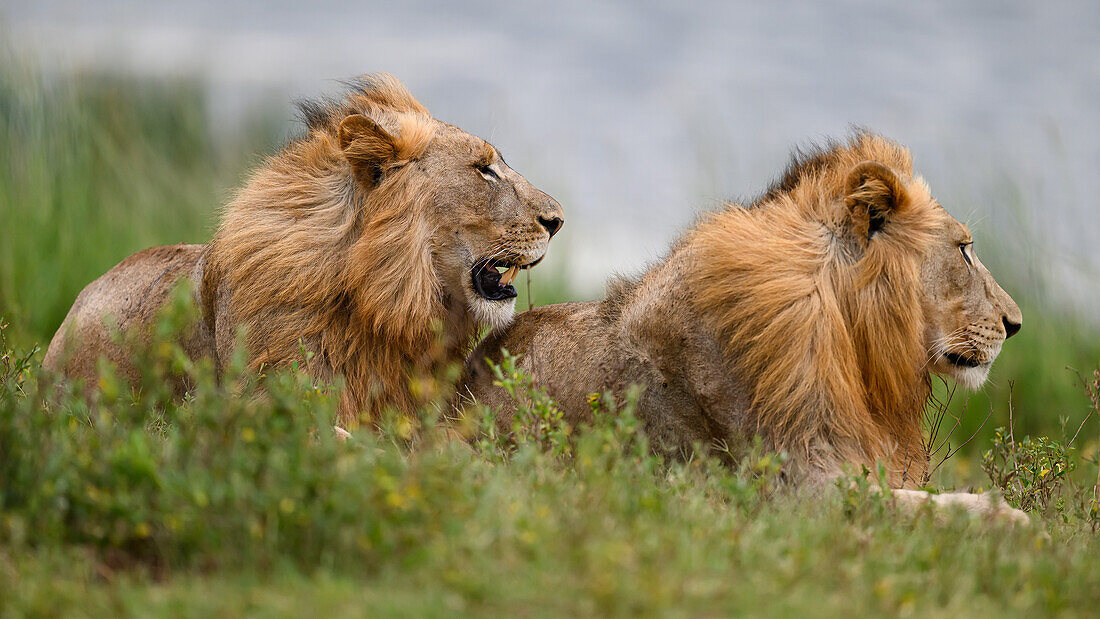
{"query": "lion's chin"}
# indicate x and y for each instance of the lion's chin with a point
(970, 378)
(970, 371)
(493, 314)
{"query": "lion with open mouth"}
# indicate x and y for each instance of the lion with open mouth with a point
(812, 318)
(376, 240)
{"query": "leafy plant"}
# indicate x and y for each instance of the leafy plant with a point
(15, 367)
(1092, 391)
(1029, 471)
(538, 420)
(1034, 473)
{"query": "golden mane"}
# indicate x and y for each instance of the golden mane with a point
(826, 326)
(306, 253)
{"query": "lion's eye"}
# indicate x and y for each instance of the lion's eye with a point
(966, 249)
(488, 172)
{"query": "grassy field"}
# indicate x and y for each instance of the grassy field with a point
(230, 504)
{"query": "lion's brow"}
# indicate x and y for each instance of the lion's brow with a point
(485, 152)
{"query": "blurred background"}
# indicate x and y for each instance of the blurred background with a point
(126, 124)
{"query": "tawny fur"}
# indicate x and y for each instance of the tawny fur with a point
(309, 257)
(812, 318)
(785, 271)
(354, 245)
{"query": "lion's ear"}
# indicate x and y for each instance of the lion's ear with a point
(367, 147)
(872, 193)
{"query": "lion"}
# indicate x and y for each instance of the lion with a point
(813, 318)
(379, 243)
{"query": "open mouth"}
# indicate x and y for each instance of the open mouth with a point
(962, 361)
(492, 279)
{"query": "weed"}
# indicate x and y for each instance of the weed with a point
(1029, 471)
(1035, 473)
(15, 368)
(537, 420)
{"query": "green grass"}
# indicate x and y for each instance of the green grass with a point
(95, 169)
(241, 502)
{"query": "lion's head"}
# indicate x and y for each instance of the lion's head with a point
(968, 315)
(483, 221)
(370, 233)
(839, 291)
(480, 220)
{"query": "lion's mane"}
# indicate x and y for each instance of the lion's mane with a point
(306, 259)
(783, 270)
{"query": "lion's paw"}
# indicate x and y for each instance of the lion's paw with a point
(342, 435)
(1005, 512)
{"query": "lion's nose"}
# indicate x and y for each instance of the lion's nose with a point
(552, 224)
(1011, 328)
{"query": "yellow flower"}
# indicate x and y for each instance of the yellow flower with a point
(286, 505)
(405, 428)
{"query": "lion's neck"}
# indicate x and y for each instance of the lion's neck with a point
(382, 373)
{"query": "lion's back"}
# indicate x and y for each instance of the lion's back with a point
(561, 347)
(128, 296)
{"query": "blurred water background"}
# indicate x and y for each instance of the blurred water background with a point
(638, 115)
(128, 123)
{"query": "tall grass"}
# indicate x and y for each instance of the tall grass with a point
(241, 499)
(94, 169)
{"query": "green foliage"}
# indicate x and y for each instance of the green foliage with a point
(1035, 473)
(95, 169)
(864, 495)
(240, 497)
(15, 368)
(1029, 471)
(537, 420)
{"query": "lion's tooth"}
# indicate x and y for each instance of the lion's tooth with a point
(509, 275)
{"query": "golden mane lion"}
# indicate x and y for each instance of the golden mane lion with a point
(811, 318)
(375, 233)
